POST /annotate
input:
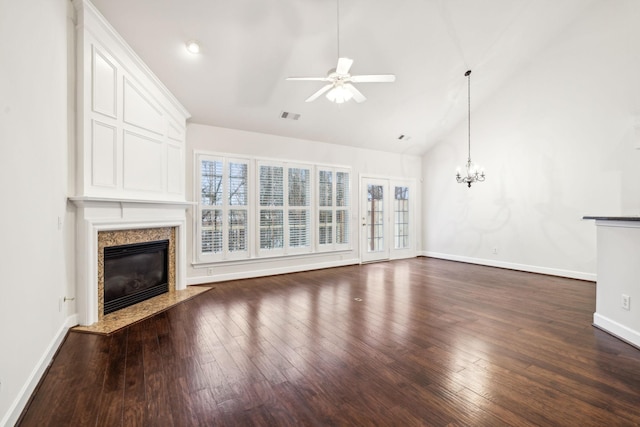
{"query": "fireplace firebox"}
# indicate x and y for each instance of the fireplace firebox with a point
(134, 272)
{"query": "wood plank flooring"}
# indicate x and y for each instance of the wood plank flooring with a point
(404, 343)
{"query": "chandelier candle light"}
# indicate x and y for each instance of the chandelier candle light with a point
(474, 172)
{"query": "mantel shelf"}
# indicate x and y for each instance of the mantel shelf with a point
(87, 200)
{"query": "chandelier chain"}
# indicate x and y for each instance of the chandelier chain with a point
(468, 74)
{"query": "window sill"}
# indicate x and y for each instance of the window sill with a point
(266, 259)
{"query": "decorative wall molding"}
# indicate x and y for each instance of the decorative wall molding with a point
(121, 108)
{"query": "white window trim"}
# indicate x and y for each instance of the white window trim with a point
(333, 246)
(254, 254)
(225, 254)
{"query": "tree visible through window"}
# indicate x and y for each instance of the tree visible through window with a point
(253, 208)
(333, 209)
(299, 213)
(401, 214)
(271, 207)
(223, 205)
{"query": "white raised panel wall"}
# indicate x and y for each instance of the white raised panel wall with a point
(131, 129)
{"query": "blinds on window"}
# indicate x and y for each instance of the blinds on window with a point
(223, 207)
(254, 208)
(299, 204)
(333, 213)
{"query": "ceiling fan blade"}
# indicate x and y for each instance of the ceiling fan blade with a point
(357, 95)
(344, 64)
(318, 93)
(374, 78)
(318, 79)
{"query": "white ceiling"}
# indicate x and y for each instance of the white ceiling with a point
(249, 47)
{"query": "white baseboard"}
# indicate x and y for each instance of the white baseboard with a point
(269, 272)
(591, 277)
(617, 329)
(18, 405)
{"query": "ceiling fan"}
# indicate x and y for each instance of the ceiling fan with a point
(339, 88)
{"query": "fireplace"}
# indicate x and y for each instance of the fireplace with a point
(134, 273)
(104, 223)
(127, 260)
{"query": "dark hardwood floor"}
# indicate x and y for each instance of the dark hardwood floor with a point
(411, 342)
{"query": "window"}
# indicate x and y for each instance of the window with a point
(299, 208)
(342, 208)
(223, 208)
(255, 208)
(211, 206)
(333, 208)
(271, 207)
(401, 217)
(238, 206)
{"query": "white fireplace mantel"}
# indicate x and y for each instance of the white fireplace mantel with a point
(106, 214)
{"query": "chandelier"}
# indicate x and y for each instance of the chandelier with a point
(474, 172)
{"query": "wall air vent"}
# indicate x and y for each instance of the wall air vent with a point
(290, 116)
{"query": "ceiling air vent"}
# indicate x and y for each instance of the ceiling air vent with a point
(290, 116)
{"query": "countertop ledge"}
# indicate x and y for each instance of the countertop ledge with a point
(613, 218)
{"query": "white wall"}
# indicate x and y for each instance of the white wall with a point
(361, 161)
(35, 270)
(557, 142)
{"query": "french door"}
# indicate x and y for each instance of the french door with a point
(386, 216)
(375, 233)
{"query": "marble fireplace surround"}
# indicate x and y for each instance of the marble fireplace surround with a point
(102, 222)
(137, 235)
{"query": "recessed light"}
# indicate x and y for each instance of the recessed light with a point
(193, 46)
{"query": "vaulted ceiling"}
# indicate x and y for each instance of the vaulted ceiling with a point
(249, 47)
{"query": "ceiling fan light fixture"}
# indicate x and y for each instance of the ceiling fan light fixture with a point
(193, 46)
(339, 95)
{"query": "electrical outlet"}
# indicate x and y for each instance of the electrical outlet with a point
(210, 271)
(626, 302)
(495, 251)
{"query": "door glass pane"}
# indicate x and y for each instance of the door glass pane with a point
(401, 220)
(375, 218)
